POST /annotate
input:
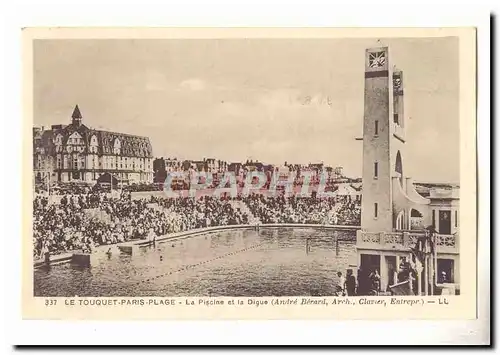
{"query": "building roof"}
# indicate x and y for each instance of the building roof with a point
(130, 145)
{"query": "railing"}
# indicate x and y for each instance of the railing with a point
(447, 241)
(369, 238)
(393, 238)
(404, 241)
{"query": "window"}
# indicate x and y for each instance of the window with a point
(375, 210)
(456, 218)
(375, 170)
(396, 118)
(434, 219)
(376, 128)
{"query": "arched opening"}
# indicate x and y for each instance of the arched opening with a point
(416, 219)
(416, 213)
(399, 221)
(399, 167)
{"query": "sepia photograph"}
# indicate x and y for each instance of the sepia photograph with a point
(247, 167)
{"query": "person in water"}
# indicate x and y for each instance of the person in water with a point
(308, 245)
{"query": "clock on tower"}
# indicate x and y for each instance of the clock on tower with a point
(376, 59)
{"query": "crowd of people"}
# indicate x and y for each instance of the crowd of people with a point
(85, 219)
(138, 187)
(82, 222)
(365, 284)
(207, 211)
(304, 210)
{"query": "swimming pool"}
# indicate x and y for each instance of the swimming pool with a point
(235, 262)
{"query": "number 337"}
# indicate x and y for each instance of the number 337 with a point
(50, 302)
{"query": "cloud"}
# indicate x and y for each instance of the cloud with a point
(155, 81)
(192, 85)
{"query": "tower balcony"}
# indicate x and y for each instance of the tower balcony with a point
(404, 241)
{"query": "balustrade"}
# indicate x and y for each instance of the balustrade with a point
(405, 240)
(393, 238)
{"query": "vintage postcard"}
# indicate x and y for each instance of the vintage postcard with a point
(249, 173)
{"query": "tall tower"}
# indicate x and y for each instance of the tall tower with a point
(388, 193)
(377, 198)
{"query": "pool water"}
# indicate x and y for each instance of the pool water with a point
(246, 263)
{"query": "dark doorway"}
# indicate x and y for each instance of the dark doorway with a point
(445, 271)
(444, 222)
(370, 262)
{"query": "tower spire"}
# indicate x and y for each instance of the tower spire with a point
(76, 113)
(76, 116)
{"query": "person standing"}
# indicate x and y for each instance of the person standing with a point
(375, 282)
(340, 289)
(442, 277)
(152, 236)
(350, 283)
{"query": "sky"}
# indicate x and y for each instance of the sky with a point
(272, 100)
